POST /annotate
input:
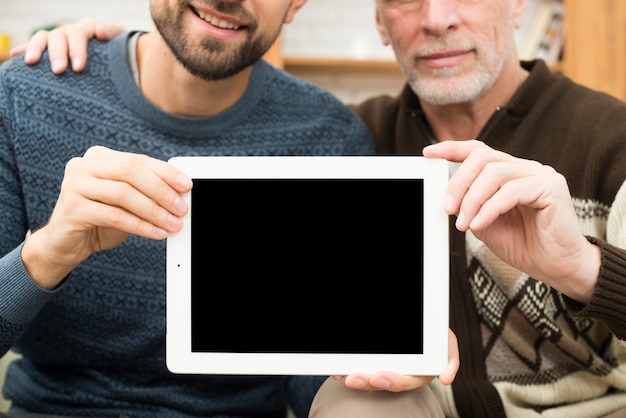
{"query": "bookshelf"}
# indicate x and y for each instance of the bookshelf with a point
(341, 65)
(542, 31)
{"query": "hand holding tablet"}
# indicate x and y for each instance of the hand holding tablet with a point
(274, 248)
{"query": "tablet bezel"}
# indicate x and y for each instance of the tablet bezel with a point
(179, 355)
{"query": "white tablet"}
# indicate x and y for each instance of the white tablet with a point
(310, 266)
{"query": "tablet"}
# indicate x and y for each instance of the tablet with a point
(310, 266)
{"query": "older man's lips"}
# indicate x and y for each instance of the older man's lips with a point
(445, 59)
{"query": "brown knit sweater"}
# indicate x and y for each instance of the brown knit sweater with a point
(525, 350)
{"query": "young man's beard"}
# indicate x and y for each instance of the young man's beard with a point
(211, 62)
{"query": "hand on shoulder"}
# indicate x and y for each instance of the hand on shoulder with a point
(66, 42)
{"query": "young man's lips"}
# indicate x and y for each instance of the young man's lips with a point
(216, 20)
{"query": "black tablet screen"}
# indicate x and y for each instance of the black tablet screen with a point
(307, 265)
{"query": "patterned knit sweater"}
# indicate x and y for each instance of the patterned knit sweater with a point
(525, 350)
(95, 345)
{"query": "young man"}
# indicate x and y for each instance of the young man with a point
(539, 209)
(82, 162)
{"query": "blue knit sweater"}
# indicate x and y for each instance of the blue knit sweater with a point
(95, 345)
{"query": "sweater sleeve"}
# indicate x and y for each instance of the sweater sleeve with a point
(20, 298)
(609, 298)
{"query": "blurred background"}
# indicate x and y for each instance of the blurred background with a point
(334, 43)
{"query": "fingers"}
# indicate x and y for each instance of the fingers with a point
(105, 196)
(128, 192)
(17, 50)
(394, 382)
(106, 30)
(76, 35)
(456, 151)
(54, 41)
(447, 376)
(67, 43)
(35, 47)
(493, 188)
(70, 41)
(58, 51)
(73, 38)
(389, 381)
(489, 183)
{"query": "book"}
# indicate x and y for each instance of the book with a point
(522, 32)
(551, 45)
(540, 16)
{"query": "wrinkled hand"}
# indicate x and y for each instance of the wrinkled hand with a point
(69, 40)
(105, 196)
(522, 211)
(394, 382)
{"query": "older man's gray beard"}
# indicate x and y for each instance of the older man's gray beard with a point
(447, 88)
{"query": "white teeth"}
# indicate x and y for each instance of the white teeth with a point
(217, 22)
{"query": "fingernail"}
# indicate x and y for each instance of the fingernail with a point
(180, 205)
(184, 181)
(174, 222)
(161, 233)
(57, 65)
(460, 219)
(475, 222)
(76, 63)
(382, 384)
(358, 383)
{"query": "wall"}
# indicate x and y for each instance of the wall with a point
(20, 17)
(329, 28)
(336, 29)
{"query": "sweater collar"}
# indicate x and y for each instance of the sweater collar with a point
(122, 76)
(539, 79)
